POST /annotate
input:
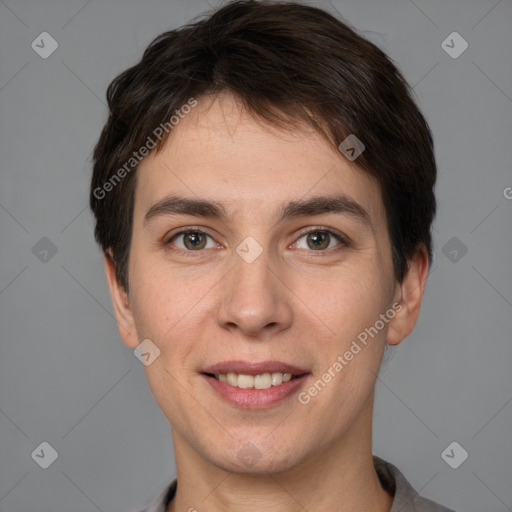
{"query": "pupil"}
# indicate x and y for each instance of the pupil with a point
(194, 239)
(318, 239)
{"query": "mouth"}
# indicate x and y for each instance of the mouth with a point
(252, 385)
(260, 381)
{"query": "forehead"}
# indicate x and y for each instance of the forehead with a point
(221, 151)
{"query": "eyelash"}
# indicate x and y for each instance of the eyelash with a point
(317, 229)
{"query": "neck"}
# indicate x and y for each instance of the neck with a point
(340, 477)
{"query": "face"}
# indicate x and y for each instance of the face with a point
(263, 282)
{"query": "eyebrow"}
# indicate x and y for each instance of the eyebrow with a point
(339, 204)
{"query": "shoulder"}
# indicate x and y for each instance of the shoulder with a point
(162, 500)
(406, 498)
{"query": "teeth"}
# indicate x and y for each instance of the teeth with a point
(262, 381)
(277, 378)
(245, 381)
(232, 379)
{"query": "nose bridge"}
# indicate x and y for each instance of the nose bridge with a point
(253, 297)
(252, 267)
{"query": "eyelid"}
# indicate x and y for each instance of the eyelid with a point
(343, 239)
(188, 229)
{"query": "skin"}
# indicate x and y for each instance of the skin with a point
(293, 303)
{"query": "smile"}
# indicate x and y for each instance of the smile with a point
(261, 381)
(251, 385)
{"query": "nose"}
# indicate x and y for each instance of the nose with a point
(254, 298)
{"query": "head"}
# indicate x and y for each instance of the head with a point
(230, 127)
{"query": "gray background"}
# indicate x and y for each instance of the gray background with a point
(65, 376)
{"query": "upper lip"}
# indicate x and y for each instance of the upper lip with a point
(254, 368)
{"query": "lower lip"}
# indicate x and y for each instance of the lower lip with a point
(255, 398)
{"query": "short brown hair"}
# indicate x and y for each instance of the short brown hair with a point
(287, 62)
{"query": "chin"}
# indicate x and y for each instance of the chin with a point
(263, 466)
(250, 458)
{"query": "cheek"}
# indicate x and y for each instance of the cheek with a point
(348, 360)
(351, 308)
(166, 310)
(348, 302)
(169, 307)
(159, 298)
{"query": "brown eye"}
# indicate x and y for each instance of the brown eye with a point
(191, 240)
(194, 241)
(319, 240)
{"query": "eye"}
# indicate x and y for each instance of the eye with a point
(192, 240)
(319, 240)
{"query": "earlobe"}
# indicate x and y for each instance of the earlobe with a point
(121, 304)
(408, 296)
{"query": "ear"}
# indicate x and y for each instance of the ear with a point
(408, 296)
(122, 309)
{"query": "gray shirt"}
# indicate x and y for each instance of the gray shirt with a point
(406, 499)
